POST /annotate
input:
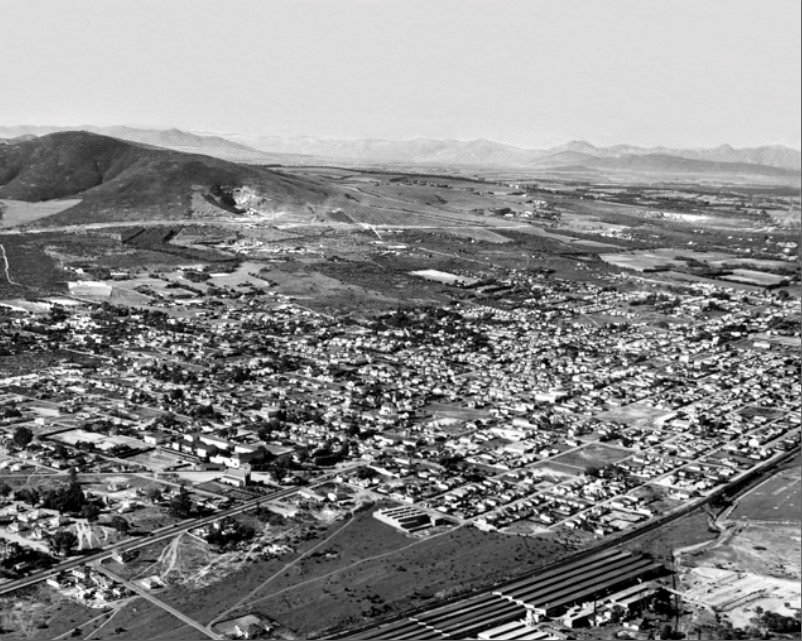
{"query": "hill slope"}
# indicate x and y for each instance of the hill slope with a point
(118, 180)
(175, 139)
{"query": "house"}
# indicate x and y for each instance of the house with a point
(236, 476)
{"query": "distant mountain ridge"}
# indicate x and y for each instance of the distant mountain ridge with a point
(488, 152)
(580, 159)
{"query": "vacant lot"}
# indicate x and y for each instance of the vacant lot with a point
(761, 548)
(140, 619)
(593, 455)
(635, 414)
(777, 499)
(208, 602)
(460, 560)
(688, 529)
(364, 537)
(40, 613)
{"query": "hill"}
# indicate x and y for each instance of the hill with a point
(118, 180)
(175, 139)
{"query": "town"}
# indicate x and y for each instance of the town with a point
(531, 406)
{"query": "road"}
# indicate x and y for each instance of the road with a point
(7, 268)
(134, 544)
(217, 221)
(243, 600)
(146, 594)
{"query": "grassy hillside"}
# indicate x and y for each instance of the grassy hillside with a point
(118, 180)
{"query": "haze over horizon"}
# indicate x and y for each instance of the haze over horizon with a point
(531, 74)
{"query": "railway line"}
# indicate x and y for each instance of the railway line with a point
(549, 591)
(594, 571)
(125, 545)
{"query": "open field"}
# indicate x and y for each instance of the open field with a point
(140, 619)
(594, 455)
(777, 499)
(29, 268)
(362, 538)
(688, 529)
(206, 601)
(635, 414)
(40, 613)
(760, 548)
(313, 285)
(460, 560)
(20, 212)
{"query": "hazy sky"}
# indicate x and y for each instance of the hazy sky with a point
(528, 72)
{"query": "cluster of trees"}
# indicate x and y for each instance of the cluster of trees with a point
(63, 542)
(68, 498)
(22, 437)
(269, 516)
(780, 623)
(610, 470)
(328, 454)
(230, 532)
(181, 505)
(10, 411)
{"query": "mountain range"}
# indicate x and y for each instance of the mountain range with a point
(490, 153)
(443, 153)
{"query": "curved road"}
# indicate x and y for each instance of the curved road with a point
(7, 268)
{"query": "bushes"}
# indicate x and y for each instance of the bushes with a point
(780, 623)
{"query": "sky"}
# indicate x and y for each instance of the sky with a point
(536, 73)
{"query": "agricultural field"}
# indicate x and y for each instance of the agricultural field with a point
(20, 212)
(30, 269)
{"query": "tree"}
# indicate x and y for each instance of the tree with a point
(90, 511)
(181, 504)
(28, 495)
(154, 494)
(593, 471)
(119, 524)
(22, 436)
(63, 542)
(67, 498)
(780, 623)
